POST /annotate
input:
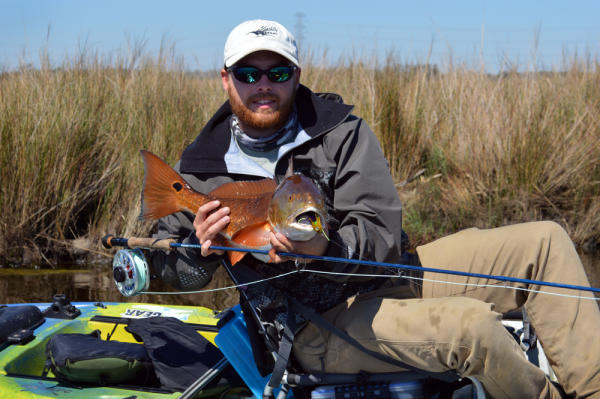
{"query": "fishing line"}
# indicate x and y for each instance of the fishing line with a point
(400, 266)
(474, 285)
(455, 283)
(221, 288)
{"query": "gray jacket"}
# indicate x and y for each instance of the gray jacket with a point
(342, 155)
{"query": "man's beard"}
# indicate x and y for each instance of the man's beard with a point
(272, 121)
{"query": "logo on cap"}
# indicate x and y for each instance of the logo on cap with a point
(265, 30)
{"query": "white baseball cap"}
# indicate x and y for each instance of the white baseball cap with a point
(256, 35)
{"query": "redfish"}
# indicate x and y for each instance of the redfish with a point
(295, 207)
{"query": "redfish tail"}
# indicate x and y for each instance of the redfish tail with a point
(164, 189)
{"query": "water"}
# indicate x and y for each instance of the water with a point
(96, 284)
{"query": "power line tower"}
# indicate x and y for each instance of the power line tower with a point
(299, 27)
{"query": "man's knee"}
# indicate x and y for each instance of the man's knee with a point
(549, 236)
(549, 229)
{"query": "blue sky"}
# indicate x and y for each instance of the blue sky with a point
(471, 31)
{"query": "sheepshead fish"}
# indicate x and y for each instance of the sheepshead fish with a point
(294, 208)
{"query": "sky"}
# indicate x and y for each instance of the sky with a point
(496, 34)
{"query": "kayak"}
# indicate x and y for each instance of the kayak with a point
(102, 356)
(24, 348)
(140, 350)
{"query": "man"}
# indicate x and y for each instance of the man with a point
(269, 118)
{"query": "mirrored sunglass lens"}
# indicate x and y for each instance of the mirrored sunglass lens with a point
(280, 74)
(247, 74)
(252, 74)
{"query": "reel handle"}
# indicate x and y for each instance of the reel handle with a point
(110, 241)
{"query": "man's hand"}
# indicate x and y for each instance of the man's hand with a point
(209, 224)
(315, 246)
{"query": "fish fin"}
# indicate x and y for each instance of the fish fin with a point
(163, 189)
(255, 236)
(235, 257)
(245, 189)
(290, 169)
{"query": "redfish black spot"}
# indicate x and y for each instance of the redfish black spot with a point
(177, 186)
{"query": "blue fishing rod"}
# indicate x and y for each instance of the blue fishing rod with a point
(110, 241)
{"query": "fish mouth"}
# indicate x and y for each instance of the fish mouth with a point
(307, 218)
(310, 221)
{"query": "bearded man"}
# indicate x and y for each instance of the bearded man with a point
(269, 118)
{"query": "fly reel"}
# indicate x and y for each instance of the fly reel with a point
(131, 272)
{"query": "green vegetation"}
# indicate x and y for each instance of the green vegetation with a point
(495, 149)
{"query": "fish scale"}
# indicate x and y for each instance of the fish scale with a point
(248, 205)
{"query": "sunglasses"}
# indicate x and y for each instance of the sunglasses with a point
(250, 75)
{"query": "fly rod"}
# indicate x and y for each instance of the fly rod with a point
(110, 241)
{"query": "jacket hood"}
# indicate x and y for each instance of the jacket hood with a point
(317, 115)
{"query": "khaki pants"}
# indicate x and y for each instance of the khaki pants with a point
(458, 327)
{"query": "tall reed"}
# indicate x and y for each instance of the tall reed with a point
(70, 144)
(496, 149)
(505, 149)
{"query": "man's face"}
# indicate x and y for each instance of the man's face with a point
(262, 107)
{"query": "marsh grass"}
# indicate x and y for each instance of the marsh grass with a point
(496, 149)
(69, 156)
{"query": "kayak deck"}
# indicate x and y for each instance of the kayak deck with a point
(22, 366)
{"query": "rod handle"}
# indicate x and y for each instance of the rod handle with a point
(110, 241)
